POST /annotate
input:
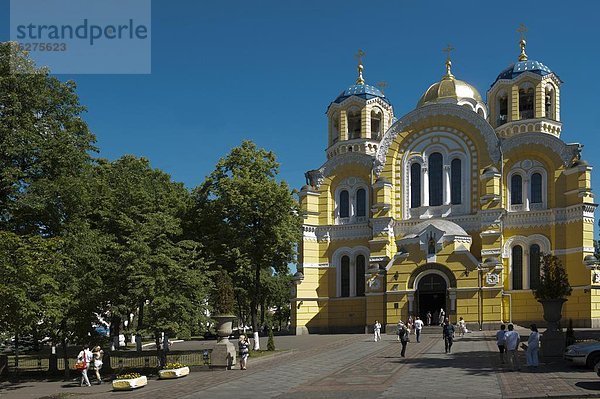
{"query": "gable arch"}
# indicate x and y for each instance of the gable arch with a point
(431, 111)
(428, 268)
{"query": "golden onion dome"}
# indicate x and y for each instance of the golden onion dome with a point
(449, 89)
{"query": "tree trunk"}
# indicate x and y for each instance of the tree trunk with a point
(262, 314)
(65, 357)
(254, 309)
(17, 350)
(115, 330)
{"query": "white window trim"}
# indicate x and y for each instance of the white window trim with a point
(352, 253)
(526, 173)
(525, 242)
(352, 185)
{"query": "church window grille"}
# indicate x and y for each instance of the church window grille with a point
(536, 188)
(534, 266)
(516, 190)
(361, 202)
(345, 278)
(526, 101)
(415, 185)
(344, 204)
(436, 188)
(360, 275)
(517, 267)
(354, 125)
(455, 181)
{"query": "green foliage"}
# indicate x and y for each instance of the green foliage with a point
(249, 221)
(554, 282)
(222, 299)
(271, 342)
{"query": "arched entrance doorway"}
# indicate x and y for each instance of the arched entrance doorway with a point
(431, 296)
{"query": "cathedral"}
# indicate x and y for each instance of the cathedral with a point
(447, 207)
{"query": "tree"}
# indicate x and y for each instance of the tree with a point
(149, 270)
(554, 282)
(249, 219)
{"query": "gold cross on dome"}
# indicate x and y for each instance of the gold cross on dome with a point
(382, 85)
(522, 29)
(359, 55)
(448, 50)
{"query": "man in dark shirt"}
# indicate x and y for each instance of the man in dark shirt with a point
(448, 332)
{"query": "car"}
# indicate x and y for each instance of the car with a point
(584, 354)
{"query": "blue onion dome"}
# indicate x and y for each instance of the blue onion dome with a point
(363, 91)
(520, 67)
(524, 64)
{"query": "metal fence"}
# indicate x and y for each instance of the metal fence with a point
(116, 360)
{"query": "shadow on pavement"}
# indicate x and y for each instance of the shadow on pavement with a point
(589, 385)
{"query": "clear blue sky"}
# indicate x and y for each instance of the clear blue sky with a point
(225, 71)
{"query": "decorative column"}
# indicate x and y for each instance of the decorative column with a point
(525, 190)
(411, 301)
(424, 186)
(353, 276)
(447, 195)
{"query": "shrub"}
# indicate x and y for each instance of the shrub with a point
(222, 297)
(554, 282)
(271, 342)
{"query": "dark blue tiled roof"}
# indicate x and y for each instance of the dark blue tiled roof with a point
(363, 91)
(523, 66)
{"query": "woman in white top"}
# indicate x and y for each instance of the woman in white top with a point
(85, 357)
(98, 354)
(533, 347)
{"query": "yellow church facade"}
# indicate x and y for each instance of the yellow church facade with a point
(447, 207)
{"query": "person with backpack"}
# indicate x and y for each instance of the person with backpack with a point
(83, 363)
(448, 333)
(403, 335)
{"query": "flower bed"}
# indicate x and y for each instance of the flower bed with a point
(127, 382)
(173, 370)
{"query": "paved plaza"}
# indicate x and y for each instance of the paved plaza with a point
(353, 366)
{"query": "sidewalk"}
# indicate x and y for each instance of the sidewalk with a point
(353, 366)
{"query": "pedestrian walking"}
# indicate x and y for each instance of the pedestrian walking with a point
(512, 347)
(410, 324)
(428, 317)
(501, 341)
(403, 334)
(83, 360)
(97, 354)
(377, 331)
(448, 333)
(418, 327)
(533, 346)
(244, 347)
(442, 317)
(462, 327)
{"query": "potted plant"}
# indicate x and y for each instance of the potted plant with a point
(129, 381)
(222, 298)
(173, 370)
(552, 290)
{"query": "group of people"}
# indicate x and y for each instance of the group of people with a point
(86, 358)
(508, 345)
(437, 318)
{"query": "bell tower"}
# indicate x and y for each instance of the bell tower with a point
(525, 97)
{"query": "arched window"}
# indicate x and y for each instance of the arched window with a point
(455, 181)
(502, 110)
(335, 129)
(534, 266)
(361, 202)
(436, 188)
(354, 124)
(345, 277)
(415, 185)
(526, 101)
(375, 125)
(516, 190)
(344, 204)
(517, 267)
(536, 188)
(549, 103)
(360, 275)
